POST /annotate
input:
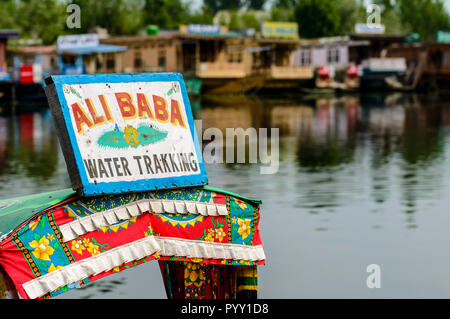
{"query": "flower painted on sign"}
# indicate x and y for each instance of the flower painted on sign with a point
(77, 245)
(131, 135)
(244, 227)
(41, 248)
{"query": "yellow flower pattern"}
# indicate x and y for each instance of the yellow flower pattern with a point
(244, 227)
(240, 203)
(41, 248)
(77, 245)
(80, 245)
(210, 236)
(220, 233)
(93, 249)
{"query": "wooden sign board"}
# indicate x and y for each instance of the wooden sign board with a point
(126, 132)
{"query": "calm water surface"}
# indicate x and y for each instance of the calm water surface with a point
(362, 180)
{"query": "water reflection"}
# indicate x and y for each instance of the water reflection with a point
(343, 146)
(30, 155)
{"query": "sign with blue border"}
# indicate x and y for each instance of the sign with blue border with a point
(126, 132)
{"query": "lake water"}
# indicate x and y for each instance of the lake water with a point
(362, 180)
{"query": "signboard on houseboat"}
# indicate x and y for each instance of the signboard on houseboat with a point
(67, 42)
(374, 28)
(287, 30)
(443, 36)
(207, 29)
(126, 132)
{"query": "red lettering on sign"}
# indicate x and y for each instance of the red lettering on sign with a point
(175, 114)
(97, 119)
(126, 106)
(144, 107)
(80, 118)
(105, 107)
(161, 113)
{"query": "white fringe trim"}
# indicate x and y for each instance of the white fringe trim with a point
(159, 206)
(165, 246)
(202, 249)
(91, 266)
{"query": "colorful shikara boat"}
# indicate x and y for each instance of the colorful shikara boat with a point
(206, 241)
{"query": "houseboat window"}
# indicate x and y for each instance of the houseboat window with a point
(437, 58)
(162, 59)
(234, 57)
(98, 64)
(333, 55)
(207, 51)
(69, 59)
(110, 63)
(446, 58)
(53, 62)
(137, 60)
(305, 57)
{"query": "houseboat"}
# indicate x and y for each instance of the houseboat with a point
(428, 64)
(335, 61)
(223, 61)
(5, 76)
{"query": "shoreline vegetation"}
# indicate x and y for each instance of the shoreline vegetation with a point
(45, 20)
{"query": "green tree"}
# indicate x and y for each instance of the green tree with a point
(253, 4)
(285, 4)
(317, 18)
(45, 19)
(168, 14)
(217, 5)
(350, 13)
(249, 20)
(117, 16)
(203, 16)
(7, 14)
(424, 16)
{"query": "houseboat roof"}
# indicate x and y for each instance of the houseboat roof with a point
(170, 36)
(47, 49)
(17, 210)
(379, 37)
(333, 41)
(204, 36)
(100, 48)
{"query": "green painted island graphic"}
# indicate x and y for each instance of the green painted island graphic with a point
(131, 137)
